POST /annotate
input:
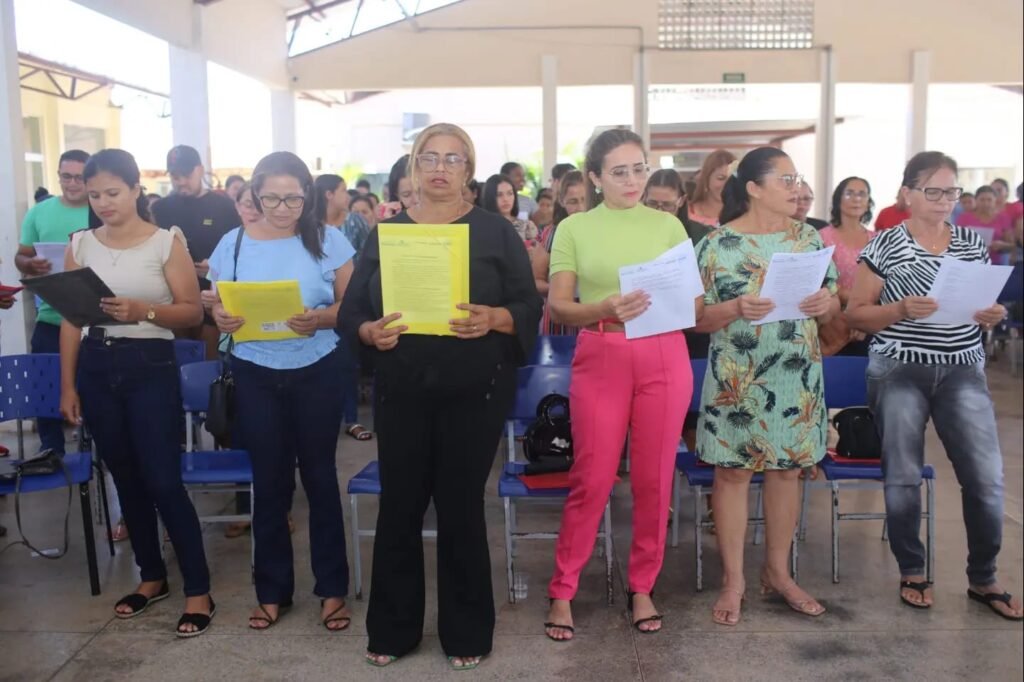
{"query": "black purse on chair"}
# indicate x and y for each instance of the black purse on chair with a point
(547, 442)
(220, 413)
(858, 434)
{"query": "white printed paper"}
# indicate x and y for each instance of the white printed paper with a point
(672, 281)
(53, 252)
(791, 278)
(963, 288)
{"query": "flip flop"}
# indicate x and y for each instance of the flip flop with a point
(918, 587)
(377, 664)
(990, 598)
(359, 432)
(465, 666)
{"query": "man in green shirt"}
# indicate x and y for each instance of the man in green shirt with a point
(53, 221)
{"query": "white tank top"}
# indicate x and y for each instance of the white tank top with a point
(136, 273)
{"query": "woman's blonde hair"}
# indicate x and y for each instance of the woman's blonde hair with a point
(433, 131)
(714, 161)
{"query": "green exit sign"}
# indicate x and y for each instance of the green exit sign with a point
(734, 78)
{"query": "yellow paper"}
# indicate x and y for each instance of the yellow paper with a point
(424, 274)
(266, 306)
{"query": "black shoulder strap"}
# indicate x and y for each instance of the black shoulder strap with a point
(238, 248)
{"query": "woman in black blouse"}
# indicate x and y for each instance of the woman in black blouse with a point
(440, 404)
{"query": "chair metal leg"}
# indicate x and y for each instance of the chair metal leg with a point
(608, 551)
(759, 513)
(794, 557)
(513, 525)
(835, 532)
(676, 499)
(509, 567)
(101, 489)
(698, 532)
(90, 539)
(930, 532)
(885, 531)
(252, 536)
(357, 558)
(801, 534)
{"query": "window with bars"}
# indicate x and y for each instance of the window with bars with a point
(735, 24)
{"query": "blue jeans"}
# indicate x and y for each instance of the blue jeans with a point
(903, 396)
(46, 339)
(131, 401)
(283, 415)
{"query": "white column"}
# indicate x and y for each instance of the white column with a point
(825, 131)
(13, 193)
(282, 120)
(641, 86)
(190, 101)
(917, 116)
(549, 85)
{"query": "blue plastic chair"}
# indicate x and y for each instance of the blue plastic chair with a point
(29, 389)
(187, 351)
(209, 471)
(846, 386)
(533, 384)
(553, 350)
(1011, 330)
(701, 478)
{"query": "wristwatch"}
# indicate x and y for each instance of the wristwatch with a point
(150, 314)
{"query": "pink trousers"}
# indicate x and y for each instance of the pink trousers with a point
(641, 386)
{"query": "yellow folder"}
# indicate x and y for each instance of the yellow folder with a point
(424, 274)
(266, 307)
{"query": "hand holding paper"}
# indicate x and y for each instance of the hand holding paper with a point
(671, 282)
(790, 280)
(267, 308)
(962, 289)
(53, 252)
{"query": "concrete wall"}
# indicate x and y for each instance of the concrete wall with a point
(980, 42)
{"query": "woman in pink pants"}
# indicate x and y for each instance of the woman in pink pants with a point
(641, 386)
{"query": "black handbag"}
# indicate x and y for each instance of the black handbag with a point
(220, 413)
(547, 441)
(858, 435)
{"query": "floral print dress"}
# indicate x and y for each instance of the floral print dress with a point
(762, 406)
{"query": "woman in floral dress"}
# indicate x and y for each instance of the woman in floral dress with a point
(762, 405)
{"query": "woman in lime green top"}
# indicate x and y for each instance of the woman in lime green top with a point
(642, 385)
(763, 403)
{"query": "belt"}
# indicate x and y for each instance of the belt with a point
(603, 326)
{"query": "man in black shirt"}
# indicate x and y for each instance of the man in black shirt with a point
(203, 216)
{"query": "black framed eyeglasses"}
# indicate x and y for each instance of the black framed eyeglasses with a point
(936, 193)
(271, 201)
(666, 206)
(430, 161)
(68, 177)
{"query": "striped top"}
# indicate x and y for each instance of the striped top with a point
(908, 269)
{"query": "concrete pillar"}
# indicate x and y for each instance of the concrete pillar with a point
(641, 86)
(549, 85)
(190, 101)
(825, 131)
(13, 192)
(282, 120)
(917, 115)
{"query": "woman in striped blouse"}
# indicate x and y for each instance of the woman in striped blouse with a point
(919, 370)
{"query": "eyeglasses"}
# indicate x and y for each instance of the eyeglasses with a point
(666, 206)
(291, 201)
(855, 194)
(791, 180)
(620, 174)
(68, 177)
(248, 204)
(936, 193)
(430, 162)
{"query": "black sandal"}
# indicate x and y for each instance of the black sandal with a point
(333, 618)
(918, 587)
(557, 626)
(201, 621)
(139, 602)
(990, 598)
(265, 618)
(656, 618)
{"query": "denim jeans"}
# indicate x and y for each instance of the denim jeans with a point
(46, 339)
(283, 415)
(131, 401)
(903, 396)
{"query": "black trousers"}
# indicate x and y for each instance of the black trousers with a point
(440, 448)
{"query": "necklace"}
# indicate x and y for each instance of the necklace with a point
(931, 245)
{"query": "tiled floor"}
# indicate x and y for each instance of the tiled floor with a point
(50, 628)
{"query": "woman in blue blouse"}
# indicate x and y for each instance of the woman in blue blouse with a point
(288, 392)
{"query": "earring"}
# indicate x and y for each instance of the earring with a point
(597, 189)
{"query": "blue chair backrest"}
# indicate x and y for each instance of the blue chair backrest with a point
(846, 383)
(196, 378)
(700, 368)
(533, 384)
(1013, 290)
(187, 351)
(553, 350)
(29, 386)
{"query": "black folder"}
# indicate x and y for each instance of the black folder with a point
(76, 295)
